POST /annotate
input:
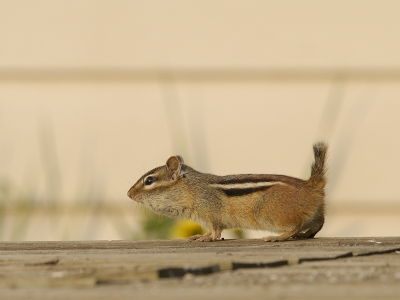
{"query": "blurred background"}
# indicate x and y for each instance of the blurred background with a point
(95, 93)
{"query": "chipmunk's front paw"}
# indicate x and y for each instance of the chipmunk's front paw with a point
(202, 238)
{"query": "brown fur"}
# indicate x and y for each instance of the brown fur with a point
(293, 207)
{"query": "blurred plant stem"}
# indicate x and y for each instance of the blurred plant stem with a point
(175, 118)
(22, 203)
(19, 205)
(155, 226)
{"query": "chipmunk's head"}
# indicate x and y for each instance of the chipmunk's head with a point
(162, 189)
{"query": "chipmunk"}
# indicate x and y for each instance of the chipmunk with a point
(290, 206)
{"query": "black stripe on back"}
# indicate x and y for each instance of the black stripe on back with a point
(246, 191)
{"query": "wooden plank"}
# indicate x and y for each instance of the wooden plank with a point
(120, 268)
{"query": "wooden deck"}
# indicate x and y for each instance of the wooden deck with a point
(349, 268)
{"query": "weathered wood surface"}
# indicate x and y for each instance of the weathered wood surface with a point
(128, 269)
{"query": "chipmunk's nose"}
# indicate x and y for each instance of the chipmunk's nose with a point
(134, 195)
(130, 193)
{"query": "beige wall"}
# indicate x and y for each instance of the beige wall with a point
(190, 34)
(94, 93)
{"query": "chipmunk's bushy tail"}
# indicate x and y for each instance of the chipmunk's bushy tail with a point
(319, 168)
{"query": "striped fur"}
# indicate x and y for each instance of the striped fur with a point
(235, 189)
(245, 185)
(286, 205)
(244, 191)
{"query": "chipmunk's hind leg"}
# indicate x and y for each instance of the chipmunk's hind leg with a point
(283, 237)
(309, 232)
(313, 227)
(306, 231)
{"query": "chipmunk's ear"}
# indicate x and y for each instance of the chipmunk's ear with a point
(173, 165)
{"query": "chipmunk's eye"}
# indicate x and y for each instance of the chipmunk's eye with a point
(149, 180)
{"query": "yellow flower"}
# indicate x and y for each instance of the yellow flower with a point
(185, 228)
